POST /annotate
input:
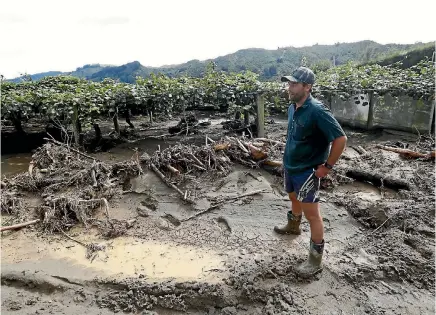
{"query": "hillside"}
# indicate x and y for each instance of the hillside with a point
(269, 64)
(408, 58)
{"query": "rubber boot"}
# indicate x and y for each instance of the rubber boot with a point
(313, 264)
(293, 226)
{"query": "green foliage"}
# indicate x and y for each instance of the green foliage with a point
(416, 81)
(56, 97)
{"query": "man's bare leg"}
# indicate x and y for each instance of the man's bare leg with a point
(313, 264)
(296, 206)
(313, 215)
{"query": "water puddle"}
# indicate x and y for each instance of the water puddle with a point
(123, 256)
(14, 164)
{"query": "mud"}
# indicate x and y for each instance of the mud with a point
(379, 254)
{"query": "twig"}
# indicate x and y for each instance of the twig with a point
(243, 148)
(74, 150)
(17, 226)
(385, 221)
(250, 193)
(196, 160)
(30, 169)
(102, 201)
(199, 167)
(73, 239)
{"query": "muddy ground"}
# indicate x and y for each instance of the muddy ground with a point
(379, 256)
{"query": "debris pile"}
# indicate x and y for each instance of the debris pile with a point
(188, 125)
(71, 183)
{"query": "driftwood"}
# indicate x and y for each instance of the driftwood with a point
(17, 226)
(360, 150)
(250, 193)
(408, 153)
(256, 153)
(173, 170)
(221, 146)
(270, 141)
(273, 163)
(166, 181)
(378, 180)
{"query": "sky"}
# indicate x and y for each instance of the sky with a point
(44, 35)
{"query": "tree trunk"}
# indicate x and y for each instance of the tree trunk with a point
(128, 115)
(116, 123)
(246, 117)
(378, 179)
(18, 126)
(150, 114)
(238, 115)
(76, 125)
(97, 132)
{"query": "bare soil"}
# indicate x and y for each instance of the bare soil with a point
(150, 256)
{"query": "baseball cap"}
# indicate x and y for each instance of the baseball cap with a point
(301, 74)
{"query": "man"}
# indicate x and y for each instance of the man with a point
(315, 141)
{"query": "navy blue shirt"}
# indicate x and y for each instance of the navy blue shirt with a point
(311, 129)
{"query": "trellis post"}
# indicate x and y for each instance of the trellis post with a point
(260, 105)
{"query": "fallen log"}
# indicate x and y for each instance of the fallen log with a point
(378, 180)
(17, 226)
(408, 153)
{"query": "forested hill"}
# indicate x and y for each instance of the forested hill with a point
(269, 64)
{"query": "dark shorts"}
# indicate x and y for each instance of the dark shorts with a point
(305, 185)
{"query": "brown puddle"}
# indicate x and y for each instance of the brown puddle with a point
(123, 256)
(14, 164)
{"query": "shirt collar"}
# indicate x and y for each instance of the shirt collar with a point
(306, 103)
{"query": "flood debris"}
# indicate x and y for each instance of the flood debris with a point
(385, 242)
(188, 125)
(409, 153)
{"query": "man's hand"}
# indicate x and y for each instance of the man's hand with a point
(321, 171)
(338, 146)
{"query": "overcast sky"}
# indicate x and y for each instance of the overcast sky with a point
(43, 35)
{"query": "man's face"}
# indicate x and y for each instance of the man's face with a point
(297, 91)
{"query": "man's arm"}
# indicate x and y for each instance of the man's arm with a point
(334, 133)
(338, 146)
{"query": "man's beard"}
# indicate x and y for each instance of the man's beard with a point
(296, 97)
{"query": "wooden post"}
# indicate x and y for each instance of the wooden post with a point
(432, 117)
(260, 116)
